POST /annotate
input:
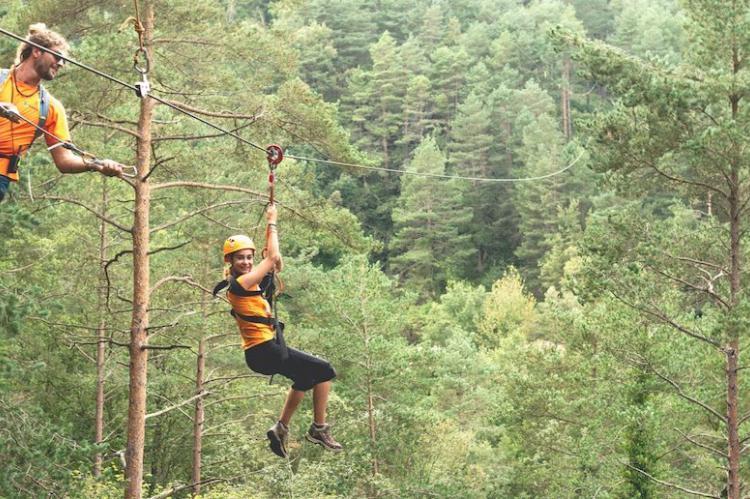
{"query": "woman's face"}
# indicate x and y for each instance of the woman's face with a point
(242, 261)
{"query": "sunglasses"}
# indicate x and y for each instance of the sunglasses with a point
(58, 58)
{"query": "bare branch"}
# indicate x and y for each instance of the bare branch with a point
(698, 262)
(166, 347)
(679, 180)
(199, 211)
(687, 397)
(208, 136)
(111, 126)
(690, 285)
(202, 185)
(663, 318)
(178, 405)
(167, 279)
(701, 445)
(21, 269)
(229, 379)
(94, 212)
(214, 114)
(188, 41)
(669, 484)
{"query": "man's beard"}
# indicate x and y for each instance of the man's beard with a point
(44, 70)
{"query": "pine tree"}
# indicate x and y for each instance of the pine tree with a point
(430, 244)
(388, 92)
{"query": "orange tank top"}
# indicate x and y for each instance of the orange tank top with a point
(17, 137)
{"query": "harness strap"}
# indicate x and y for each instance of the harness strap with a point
(43, 110)
(235, 287)
(269, 321)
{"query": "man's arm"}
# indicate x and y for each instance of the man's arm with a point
(68, 162)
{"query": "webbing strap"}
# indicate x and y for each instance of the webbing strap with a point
(269, 321)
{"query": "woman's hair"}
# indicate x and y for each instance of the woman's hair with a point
(39, 34)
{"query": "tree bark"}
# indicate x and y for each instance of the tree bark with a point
(139, 324)
(732, 351)
(198, 418)
(100, 335)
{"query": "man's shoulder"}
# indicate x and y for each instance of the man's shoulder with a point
(54, 103)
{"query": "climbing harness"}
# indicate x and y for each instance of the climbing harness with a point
(267, 289)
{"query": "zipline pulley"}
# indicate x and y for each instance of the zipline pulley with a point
(274, 154)
(143, 87)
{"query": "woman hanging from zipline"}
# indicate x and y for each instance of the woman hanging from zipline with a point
(266, 352)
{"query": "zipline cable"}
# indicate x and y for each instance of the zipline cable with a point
(135, 89)
(438, 175)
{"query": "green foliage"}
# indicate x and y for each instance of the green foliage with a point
(507, 311)
(430, 244)
(511, 341)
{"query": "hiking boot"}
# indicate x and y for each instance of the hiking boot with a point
(278, 436)
(322, 435)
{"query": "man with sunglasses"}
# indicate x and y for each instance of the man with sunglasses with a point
(22, 94)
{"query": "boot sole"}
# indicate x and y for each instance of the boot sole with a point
(275, 444)
(321, 443)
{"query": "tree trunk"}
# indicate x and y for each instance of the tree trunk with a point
(565, 100)
(732, 349)
(198, 418)
(733, 475)
(141, 284)
(371, 405)
(100, 336)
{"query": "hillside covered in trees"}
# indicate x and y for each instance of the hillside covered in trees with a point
(516, 228)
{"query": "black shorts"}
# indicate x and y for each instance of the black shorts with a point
(302, 368)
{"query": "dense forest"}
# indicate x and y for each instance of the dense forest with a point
(516, 229)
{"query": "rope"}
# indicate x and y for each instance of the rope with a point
(138, 25)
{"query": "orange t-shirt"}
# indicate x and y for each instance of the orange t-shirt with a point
(253, 333)
(15, 137)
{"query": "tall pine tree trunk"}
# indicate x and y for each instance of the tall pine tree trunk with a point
(732, 350)
(141, 284)
(198, 417)
(100, 336)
